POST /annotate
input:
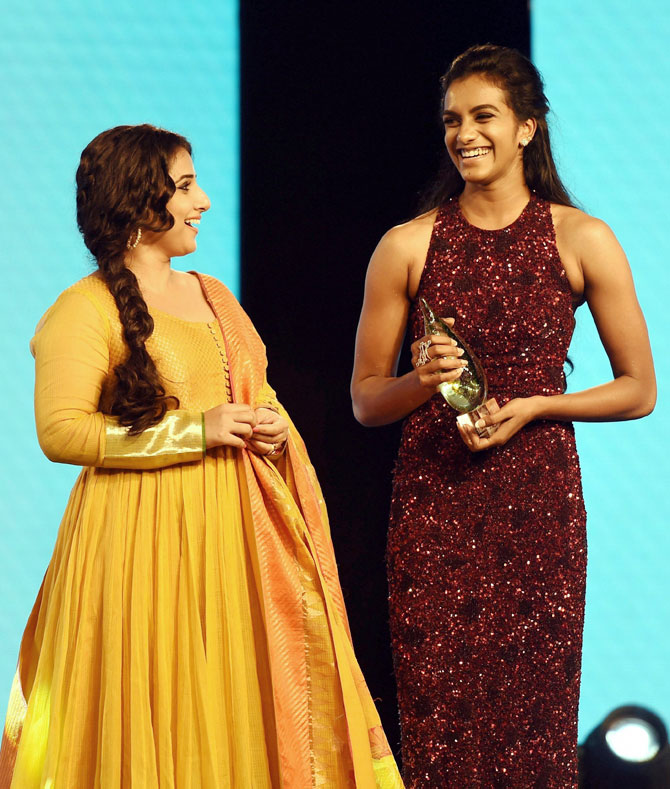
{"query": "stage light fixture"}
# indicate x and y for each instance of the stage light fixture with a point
(628, 750)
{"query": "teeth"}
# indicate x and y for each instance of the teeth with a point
(473, 152)
(192, 221)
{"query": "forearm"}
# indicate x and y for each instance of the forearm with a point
(99, 440)
(178, 438)
(623, 398)
(380, 401)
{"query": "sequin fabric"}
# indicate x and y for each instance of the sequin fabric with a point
(487, 552)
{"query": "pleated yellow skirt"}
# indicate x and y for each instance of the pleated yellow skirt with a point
(190, 631)
(144, 660)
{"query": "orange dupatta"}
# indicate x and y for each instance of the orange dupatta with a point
(318, 686)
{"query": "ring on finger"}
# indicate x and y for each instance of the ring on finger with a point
(423, 353)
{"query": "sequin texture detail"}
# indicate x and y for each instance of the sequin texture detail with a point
(487, 552)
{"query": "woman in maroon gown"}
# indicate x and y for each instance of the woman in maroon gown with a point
(487, 543)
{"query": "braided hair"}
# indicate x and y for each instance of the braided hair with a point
(123, 186)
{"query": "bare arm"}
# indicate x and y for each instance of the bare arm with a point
(610, 294)
(601, 264)
(380, 397)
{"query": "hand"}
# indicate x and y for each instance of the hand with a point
(510, 419)
(229, 424)
(444, 362)
(269, 434)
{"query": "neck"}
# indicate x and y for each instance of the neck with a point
(494, 205)
(153, 271)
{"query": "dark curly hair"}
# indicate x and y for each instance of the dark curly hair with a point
(123, 185)
(522, 84)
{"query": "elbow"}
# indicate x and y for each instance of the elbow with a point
(645, 408)
(61, 447)
(646, 401)
(54, 449)
(363, 413)
(49, 443)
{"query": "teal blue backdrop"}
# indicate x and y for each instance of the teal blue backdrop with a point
(72, 69)
(607, 72)
(68, 71)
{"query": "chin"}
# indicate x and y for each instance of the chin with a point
(482, 179)
(184, 251)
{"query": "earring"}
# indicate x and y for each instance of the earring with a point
(132, 244)
(525, 141)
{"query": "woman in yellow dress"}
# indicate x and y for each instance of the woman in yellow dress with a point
(190, 630)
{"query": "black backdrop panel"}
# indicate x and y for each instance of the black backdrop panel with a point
(340, 133)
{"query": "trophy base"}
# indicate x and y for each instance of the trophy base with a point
(485, 409)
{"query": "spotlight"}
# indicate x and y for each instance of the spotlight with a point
(628, 750)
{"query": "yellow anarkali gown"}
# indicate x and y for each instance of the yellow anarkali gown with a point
(190, 630)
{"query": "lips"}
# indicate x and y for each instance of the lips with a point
(192, 222)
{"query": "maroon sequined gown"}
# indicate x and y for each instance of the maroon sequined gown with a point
(487, 552)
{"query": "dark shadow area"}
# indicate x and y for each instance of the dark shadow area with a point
(339, 134)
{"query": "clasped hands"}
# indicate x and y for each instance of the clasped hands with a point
(261, 430)
(444, 364)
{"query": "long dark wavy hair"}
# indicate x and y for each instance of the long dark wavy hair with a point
(123, 185)
(523, 86)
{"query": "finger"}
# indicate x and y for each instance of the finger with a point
(414, 347)
(242, 429)
(236, 442)
(260, 447)
(268, 431)
(494, 417)
(445, 364)
(266, 419)
(234, 408)
(449, 321)
(245, 418)
(266, 414)
(438, 350)
(447, 376)
(431, 380)
(490, 420)
(432, 347)
(432, 340)
(465, 435)
(269, 427)
(441, 339)
(477, 443)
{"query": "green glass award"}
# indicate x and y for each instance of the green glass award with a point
(467, 394)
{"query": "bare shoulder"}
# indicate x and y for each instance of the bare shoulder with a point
(411, 237)
(401, 252)
(577, 230)
(588, 244)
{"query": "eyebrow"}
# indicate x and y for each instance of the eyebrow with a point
(475, 109)
(184, 177)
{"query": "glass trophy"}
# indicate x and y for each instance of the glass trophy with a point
(467, 394)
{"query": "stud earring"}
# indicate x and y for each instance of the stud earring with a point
(132, 244)
(525, 141)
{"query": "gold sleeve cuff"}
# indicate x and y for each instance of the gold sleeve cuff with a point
(178, 438)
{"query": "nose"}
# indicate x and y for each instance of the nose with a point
(203, 202)
(466, 132)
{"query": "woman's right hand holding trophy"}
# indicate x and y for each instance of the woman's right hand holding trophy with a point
(437, 359)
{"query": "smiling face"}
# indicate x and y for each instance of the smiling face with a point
(186, 205)
(482, 134)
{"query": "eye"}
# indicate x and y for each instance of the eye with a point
(185, 186)
(450, 121)
(484, 116)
